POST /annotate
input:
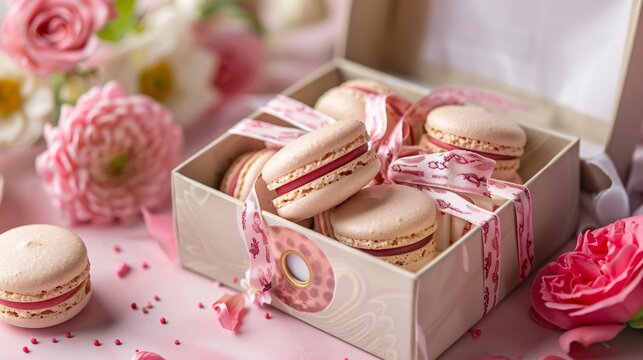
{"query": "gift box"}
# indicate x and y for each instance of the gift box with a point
(414, 46)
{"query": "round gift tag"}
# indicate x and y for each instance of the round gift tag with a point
(304, 279)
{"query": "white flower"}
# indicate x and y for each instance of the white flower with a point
(254, 296)
(165, 63)
(25, 105)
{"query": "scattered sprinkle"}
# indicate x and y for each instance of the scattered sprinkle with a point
(267, 316)
(149, 305)
(157, 298)
(177, 342)
(475, 333)
(34, 341)
(117, 342)
(235, 279)
(163, 321)
(96, 342)
(144, 310)
(25, 350)
(68, 335)
(121, 269)
(54, 340)
(133, 306)
(117, 249)
(145, 265)
(201, 306)
(346, 358)
(136, 350)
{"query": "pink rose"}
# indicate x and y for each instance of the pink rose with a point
(110, 156)
(240, 54)
(45, 36)
(595, 289)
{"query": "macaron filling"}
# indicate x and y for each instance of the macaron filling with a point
(323, 170)
(36, 305)
(399, 250)
(449, 147)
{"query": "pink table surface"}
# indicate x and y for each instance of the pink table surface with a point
(506, 330)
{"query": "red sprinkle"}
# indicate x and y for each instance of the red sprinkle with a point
(96, 342)
(144, 310)
(133, 306)
(149, 305)
(54, 340)
(475, 333)
(157, 298)
(177, 342)
(163, 321)
(68, 335)
(346, 358)
(34, 341)
(117, 342)
(117, 248)
(136, 350)
(145, 265)
(201, 306)
(235, 279)
(267, 315)
(25, 350)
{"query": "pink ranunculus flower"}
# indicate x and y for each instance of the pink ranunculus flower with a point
(595, 289)
(110, 156)
(45, 36)
(240, 53)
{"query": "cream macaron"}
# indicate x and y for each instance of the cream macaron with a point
(44, 276)
(348, 101)
(242, 173)
(320, 169)
(396, 223)
(477, 129)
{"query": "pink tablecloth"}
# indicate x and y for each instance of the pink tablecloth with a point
(507, 330)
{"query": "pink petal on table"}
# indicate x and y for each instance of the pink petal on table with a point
(147, 355)
(161, 227)
(229, 308)
(588, 335)
(121, 268)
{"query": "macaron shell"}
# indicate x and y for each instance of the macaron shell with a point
(312, 148)
(323, 224)
(385, 216)
(41, 318)
(329, 190)
(342, 104)
(476, 128)
(251, 172)
(415, 260)
(39, 258)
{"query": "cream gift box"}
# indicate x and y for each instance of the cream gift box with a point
(374, 305)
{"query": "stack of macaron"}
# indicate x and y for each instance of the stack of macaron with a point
(44, 276)
(240, 177)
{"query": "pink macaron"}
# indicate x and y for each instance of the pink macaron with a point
(44, 276)
(242, 173)
(477, 129)
(396, 223)
(320, 169)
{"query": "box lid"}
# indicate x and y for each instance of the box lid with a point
(579, 62)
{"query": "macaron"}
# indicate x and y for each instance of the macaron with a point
(320, 169)
(322, 224)
(242, 173)
(477, 129)
(348, 101)
(396, 223)
(44, 276)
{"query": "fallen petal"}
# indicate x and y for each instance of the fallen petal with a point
(229, 308)
(588, 335)
(161, 227)
(147, 355)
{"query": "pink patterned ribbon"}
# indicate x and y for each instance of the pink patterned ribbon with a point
(439, 175)
(296, 113)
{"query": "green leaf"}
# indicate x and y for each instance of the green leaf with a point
(637, 321)
(231, 8)
(58, 80)
(125, 22)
